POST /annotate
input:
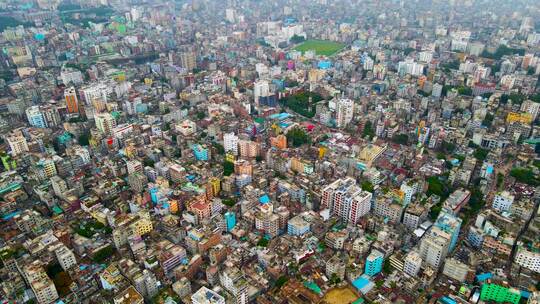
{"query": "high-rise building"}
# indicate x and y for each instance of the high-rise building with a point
(41, 284)
(50, 115)
(346, 200)
(528, 259)
(248, 148)
(233, 280)
(188, 60)
(35, 117)
(17, 142)
(65, 257)
(297, 226)
(499, 293)
(71, 76)
(344, 112)
(434, 246)
(105, 123)
(96, 92)
(455, 269)
(230, 143)
(412, 263)
(451, 224)
(261, 89)
(374, 263)
(72, 102)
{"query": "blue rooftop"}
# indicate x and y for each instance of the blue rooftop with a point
(360, 283)
(447, 300)
(264, 199)
(484, 276)
(280, 116)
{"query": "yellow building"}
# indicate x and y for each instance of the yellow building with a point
(229, 157)
(216, 185)
(370, 153)
(297, 165)
(143, 225)
(524, 118)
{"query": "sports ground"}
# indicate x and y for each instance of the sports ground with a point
(321, 47)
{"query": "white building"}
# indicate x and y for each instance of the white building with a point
(17, 142)
(207, 296)
(410, 67)
(99, 91)
(502, 201)
(261, 88)
(528, 259)
(41, 284)
(230, 143)
(344, 112)
(434, 247)
(105, 123)
(346, 200)
(455, 269)
(65, 257)
(71, 76)
(412, 263)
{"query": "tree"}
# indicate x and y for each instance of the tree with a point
(219, 148)
(84, 139)
(368, 130)
(297, 137)
(297, 39)
(102, 254)
(148, 162)
(201, 115)
(367, 186)
(447, 147)
(401, 139)
(481, 154)
(488, 120)
(228, 202)
(334, 279)
(263, 242)
(258, 158)
(526, 176)
(281, 281)
(228, 168)
(387, 268)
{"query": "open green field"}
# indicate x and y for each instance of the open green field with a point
(321, 47)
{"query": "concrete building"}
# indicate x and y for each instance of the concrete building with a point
(455, 269)
(434, 246)
(207, 296)
(297, 226)
(412, 263)
(346, 200)
(230, 143)
(528, 259)
(374, 263)
(41, 284)
(65, 257)
(17, 142)
(503, 201)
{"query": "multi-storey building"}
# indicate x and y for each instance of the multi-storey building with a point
(346, 200)
(41, 284)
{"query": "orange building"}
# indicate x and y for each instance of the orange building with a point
(279, 141)
(243, 167)
(72, 102)
(201, 208)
